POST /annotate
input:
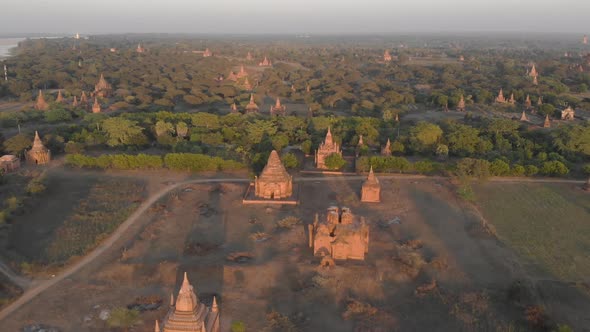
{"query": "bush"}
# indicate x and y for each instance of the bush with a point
(36, 185)
(554, 168)
(115, 161)
(290, 160)
(74, 147)
(238, 327)
(334, 161)
(499, 167)
(586, 169)
(426, 167)
(473, 167)
(518, 170)
(531, 170)
(199, 163)
(123, 317)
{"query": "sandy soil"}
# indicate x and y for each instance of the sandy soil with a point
(195, 228)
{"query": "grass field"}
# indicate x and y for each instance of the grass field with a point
(546, 224)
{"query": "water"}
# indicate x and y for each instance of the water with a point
(6, 44)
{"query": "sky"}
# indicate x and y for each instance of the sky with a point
(293, 16)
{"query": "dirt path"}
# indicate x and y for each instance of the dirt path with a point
(20, 281)
(38, 287)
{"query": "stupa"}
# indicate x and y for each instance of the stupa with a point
(528, 103)
(38, 154)
(512, 101)
(96, 106)
(500, 98)
(461, 104)
(41, 104)
(386, 150)
(523, 117)
(371, 190)
(265, 63)
(187, 314)
(242, 72)
(387, 56)
(547, 122)
(278, 109)
(247, 85)
(568, 113)
(251, 107)
(83, 99)
(274, 181)
(207, 53)
(102, 89)
(234, 108)
(585, 40)
(139, 48)
(325, 149)
(249, 57)
(59, 98)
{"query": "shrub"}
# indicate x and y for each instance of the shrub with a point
(518, 170)
(586, 169)
(115, 161)
(334, 161)
(473, 167)
(123, 317)
(290, 160)
(306, 147)
(238, 327)
(199, 162)
(554, 168)
(499, 167)
(74, 147)
(531, 170)
(426, 167)
(36, 185)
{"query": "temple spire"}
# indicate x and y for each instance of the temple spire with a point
(523, 116)
(372, 177)
(59, 98)
(329, 140)
(214, 306)
(361, 140)
(157, 329)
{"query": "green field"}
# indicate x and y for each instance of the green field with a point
(548, 225)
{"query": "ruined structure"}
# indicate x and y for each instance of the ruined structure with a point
(274, 181)
(207, 53)
(41, 104)
(523, 117)
(387, 56)
(102, 89)
(371, 190)
(340, 235)
(265, 63)
(568, 113)
(500, 98)
(251, 107)
(386, 150)
(461, 104)
(9, 163)
(59, 98)
(325, 149)
(187, 314)
(38, 154)
(278, 109)
(96, 106)
(547, 123)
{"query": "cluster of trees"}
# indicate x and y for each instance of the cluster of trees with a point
(175, 161)
(339, 79)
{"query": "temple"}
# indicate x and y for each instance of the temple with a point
(96, 106)
(265, 63)
(371, 190)
(512, 101)
(75, 102)
(9, 163)
(585, 40)
(461, 105)
(139, 48)
(242, 72)
(500, 98)
(547, 122)
(41, 104)
(234, 108)
(387, 56)
(207, 53)
(278, 109)
(38, 154)
(274, 181)
(102, 89)
(249, 57)
(59, 98)
(568, 113)
(83, 99)
(528, 103)
(247, 85)
(523, 117)
(533, 72)
(232, 76)
(188, 314)
(340, 235)
(386, 150)
(325, 149)
(540, 101)
(251, 107)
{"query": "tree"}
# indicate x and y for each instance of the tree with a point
(58, 115)
(334, 161)
(424, 136)
(290, 160)
(17, 144)
(122, 131)
(162, 128)
(123, 318)
(279, 141)
(499, 167)
(462, 139)
(554, 168)
(181, 129)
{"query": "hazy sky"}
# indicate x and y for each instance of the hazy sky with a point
(293, 16)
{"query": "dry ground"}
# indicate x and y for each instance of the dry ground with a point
(195, 228)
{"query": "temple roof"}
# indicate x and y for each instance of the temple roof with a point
(329, 140)
(37, 143)
(274, 170)
(102, 84)
(371, 179)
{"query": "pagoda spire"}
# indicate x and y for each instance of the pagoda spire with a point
(361, 140)
(214, 306)
(329, 140)
(372, 177)
(157, 329)
(41, 103)
(547, 123)
(37, 140)
(75, 102)
(523, 116)
(59, 98)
